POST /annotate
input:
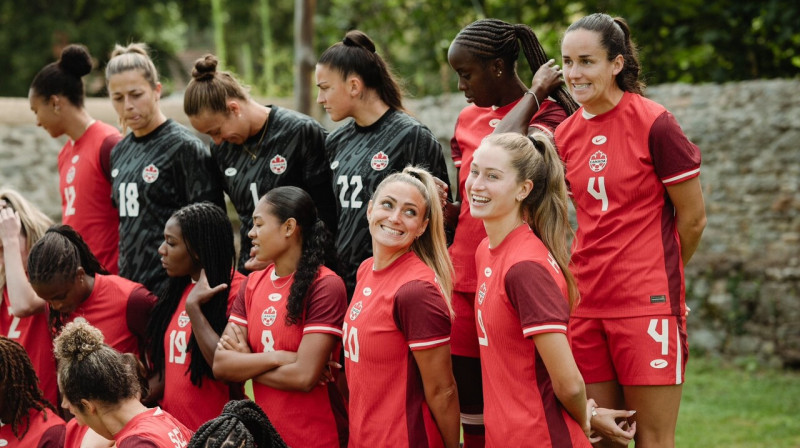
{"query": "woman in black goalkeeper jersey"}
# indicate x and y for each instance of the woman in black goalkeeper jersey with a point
(159, 167)
(257, 148)
(355, 82)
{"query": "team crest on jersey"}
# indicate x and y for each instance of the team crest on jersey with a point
(599, 139)
(71, 174)
(379, 161)
(494, 122)
(355, 310)
(75, 158)
(183, 319)
(114, 172)
(481, 293)
(150, 173)
(367, 291)
(597, 161)
(487, 272)
(274, 297)
(230, 172)
(278, 164)
(268, 316)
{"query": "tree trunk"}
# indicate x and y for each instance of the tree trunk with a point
(304, 58)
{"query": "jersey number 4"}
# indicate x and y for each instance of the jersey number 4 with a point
(350, 343)
(600, 192)
(355, 182)
(128, 199)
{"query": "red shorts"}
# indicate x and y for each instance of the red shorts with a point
(635, 351)
(464, 334)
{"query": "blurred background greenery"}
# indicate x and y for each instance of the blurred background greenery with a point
(692, 41)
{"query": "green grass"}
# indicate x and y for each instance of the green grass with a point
(738, 406)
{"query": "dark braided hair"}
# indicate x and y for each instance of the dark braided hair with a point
(318, 249)
(63, 77)
(615, 37)
(488, 39)
(208, 235)
(57, 256)
(356, 54)
(20, 386)
(242, 424)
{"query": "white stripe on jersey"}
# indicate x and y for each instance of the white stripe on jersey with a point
(428, 343)
(237, 320)
(679, 355)
(681, 176)
(317, 328)
(538, 328)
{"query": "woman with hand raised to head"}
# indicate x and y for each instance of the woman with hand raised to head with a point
(286, 323)
(257, 148)
(84, 163)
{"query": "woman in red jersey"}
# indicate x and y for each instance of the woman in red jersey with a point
(28, 419)
(484, 56)
(199, 257)
(634, 180)
(22, 316)
(533, 391)
(102, 392)
(84, 163)
(290, 317)
(397, 329)
(70, 280)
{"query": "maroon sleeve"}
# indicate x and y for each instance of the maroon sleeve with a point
(455, 150)
(239, 307)
(136, 442)
(537, 298)
(327, 302)
(105, 154)
(140, 305)
(548, 117)
(672, 152)
(53, 437)
(421, 313)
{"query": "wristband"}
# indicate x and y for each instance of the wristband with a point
(528, 92)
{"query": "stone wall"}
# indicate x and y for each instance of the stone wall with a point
(743, 283)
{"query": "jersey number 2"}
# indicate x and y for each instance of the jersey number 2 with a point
(69, 197)
(355, 181)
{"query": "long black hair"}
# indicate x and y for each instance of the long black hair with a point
(20, 386)
(208, 235)
(63, 77)
(242, 424)
(317, 250)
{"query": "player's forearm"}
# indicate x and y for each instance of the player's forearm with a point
(23, 301)
(443, 403)
(690, 231)
(206, 337)
(230, 365)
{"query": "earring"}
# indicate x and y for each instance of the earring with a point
(499, 72)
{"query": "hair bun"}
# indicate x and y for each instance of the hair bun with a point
(76, 60)
(205, 67)
(356, 38)
(77, 341)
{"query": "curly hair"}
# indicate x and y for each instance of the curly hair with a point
(20, 386)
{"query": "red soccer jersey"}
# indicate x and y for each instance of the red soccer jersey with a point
(308, 419)
(40, 433)
(474, 123)
(522, 294)
(153, 427)
(191, 405)
(74, 434)
(626, 256)
(393, 312)
(119, 308)
(85, 184)
(33, 334)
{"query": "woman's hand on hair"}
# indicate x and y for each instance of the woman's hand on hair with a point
(546, 79)
(202, 292)
(10, 226)
(443, 189)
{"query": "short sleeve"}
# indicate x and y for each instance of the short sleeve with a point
(455, 150)
(239, 307)
(53, 437)
(537, 298)
(427, 152)
(421, 314)
(326, 307)
(201, 176)
(675, 158)
(548, 117)
(316, 167)
(140, 304)
(105, 154)
(136, 442)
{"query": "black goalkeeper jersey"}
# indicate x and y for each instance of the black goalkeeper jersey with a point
(360, 158)
(292, 153)
(154, 176)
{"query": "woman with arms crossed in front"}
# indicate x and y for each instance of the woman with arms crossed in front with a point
(397, 329)
(290, 317)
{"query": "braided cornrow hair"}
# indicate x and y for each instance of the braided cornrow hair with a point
(489, 39)
(242, 424)
(318, 249)
(208, 235)
(20, 386)
(57, 255)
